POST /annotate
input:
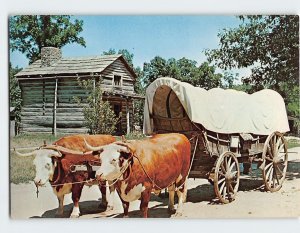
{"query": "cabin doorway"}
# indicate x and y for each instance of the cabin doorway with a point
(118, 111)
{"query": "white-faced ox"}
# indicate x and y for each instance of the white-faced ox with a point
(145, 166)
(51, 165)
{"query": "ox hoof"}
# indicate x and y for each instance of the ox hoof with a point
(178, 214)
(125, 216)
(171, 210)
(109, 208)
(74, 216)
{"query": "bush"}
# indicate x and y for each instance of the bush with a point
(98, 115)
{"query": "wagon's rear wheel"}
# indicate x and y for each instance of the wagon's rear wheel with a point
(275, 159)
(227, 177)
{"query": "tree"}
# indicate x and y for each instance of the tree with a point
(15, 93)
(269, 45)
(98, 114)
(126, 54)
(29, 33)
(184, 70)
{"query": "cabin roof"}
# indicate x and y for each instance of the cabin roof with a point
(74, 65)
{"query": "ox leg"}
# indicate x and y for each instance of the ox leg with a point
(145, 198)
(60, 210)
(181, 193)
(112, 190)
(125, 207)
(76, 193)
(103, 203)
(171, 190)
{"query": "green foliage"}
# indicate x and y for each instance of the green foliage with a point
(29, 33)
(15, 99)
(184, 70)
(269, 45)
(126, 54)
(98, 115)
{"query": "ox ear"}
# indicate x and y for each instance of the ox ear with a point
(126, 147)
(55, 154)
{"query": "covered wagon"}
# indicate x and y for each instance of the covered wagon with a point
(225, 127)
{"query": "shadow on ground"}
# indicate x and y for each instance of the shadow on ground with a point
(201, 193)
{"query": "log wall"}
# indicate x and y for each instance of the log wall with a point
(37, 114)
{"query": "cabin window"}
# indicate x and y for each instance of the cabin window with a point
(117, 80)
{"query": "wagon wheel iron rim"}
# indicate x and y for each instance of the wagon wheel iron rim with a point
(227, 177)
(275, 159)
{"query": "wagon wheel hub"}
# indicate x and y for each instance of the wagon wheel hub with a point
(229, 176)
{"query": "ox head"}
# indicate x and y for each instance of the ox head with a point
(114, 159)
(45, 161)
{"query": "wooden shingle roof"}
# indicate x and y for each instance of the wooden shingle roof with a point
(73, 65)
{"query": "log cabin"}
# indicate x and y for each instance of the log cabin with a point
(49, 85)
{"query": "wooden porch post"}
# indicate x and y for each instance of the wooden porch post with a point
(54, 108)
(127, 117)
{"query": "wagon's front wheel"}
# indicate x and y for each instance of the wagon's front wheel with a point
(275, 159)
(227, 177)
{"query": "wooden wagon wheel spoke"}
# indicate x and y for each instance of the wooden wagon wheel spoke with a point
(275, 156)
(225, 190)
(222, 187)
(220, 181)
(270, 173)
(269, 151)
(274, 143)
(226, 185)
(275, 174)
(280, 148)
(234, 173)
(223, 168)
(228, 163)
(281, 173)
(268, 165)
(231, 188)
(231, 166)
(267, 158)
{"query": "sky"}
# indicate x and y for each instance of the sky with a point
(146, 36)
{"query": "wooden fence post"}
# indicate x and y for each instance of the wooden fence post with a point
(127, 117)
(54, 108)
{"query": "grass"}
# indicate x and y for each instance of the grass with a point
(293, 143)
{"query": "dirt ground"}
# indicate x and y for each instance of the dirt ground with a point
(251, 202)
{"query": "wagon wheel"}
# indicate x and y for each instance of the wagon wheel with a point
(275, 159)
(227, 177)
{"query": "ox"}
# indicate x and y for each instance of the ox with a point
(52, 164)
(143, 166)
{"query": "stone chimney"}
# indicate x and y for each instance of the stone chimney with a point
(49, 56)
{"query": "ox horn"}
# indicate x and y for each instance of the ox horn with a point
(63, 150)
(130, 148)
(24, 154)
(92, 148)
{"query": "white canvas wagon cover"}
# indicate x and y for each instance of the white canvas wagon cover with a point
(218, 110)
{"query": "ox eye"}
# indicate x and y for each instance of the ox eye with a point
(113, 161)
(47, 166)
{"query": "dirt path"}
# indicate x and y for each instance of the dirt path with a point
(251, 201)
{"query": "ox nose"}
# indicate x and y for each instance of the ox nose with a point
(37, 182)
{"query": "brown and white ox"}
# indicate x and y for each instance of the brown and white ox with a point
(50, 165)
(145, 166)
